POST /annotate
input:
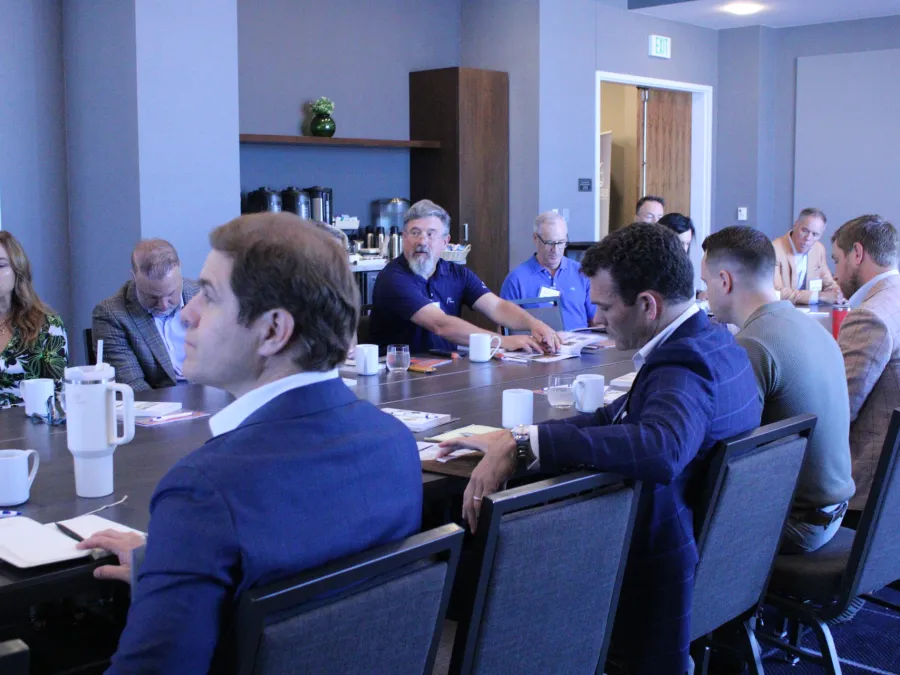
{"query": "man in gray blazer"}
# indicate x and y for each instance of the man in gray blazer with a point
(865, 252)
(141, 326)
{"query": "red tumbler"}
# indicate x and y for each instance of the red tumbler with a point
(838, 314)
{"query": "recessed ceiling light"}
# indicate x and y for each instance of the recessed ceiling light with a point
(743, 8)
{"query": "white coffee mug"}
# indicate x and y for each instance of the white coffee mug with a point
(35, 393)
(589, 390)
(90, 396)
(366, 357)
(15, 479)
(518, 407)
(482, 348)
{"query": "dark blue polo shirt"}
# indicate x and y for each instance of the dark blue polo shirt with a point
(399, 293)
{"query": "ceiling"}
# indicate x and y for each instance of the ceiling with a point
(777, 13)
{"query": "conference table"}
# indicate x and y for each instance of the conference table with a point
(471, 392)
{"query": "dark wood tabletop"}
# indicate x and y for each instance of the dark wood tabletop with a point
(473, 394)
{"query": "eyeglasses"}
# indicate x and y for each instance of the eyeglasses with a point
(430, 235)
(552, 244)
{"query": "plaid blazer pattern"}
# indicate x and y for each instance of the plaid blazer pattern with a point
(870, 342)
(131, 343)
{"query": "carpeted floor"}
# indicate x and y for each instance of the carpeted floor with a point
(870, 643)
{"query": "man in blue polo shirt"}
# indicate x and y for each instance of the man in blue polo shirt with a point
(550, 274)
(418, 296)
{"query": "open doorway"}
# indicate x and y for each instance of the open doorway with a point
(675, 162)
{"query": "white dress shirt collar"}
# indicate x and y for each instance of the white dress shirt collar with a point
(234, 414)
(857, 298)
(801, 260)
(641, 357)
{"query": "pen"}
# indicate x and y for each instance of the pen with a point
(9, 514)
(174, 416)
(69, 533)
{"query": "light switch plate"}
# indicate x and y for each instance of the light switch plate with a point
(742, 213)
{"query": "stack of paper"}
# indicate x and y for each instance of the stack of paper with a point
(419, 421)
(623, 382)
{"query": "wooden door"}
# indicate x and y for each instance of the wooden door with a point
(668, 143)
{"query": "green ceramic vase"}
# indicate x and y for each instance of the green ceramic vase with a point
(322, 125)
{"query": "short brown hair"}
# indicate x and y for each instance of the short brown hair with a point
(745, 246)
(812, 212)
(154, 258)
(282, 261)
(877, 236)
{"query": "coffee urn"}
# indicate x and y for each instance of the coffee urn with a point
(295, 200)
(263, 199)
(320, 203)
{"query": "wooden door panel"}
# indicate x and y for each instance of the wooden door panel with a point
(668, 147)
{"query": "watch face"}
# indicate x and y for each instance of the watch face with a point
(520, 430)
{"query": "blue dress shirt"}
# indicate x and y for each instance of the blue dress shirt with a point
(527, 280)
(400, 293)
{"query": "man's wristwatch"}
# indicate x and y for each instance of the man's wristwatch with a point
(522, 438)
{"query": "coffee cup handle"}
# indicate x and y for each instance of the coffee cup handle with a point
(494, 349)
(578, 392)
(34, 467)
(128, 416)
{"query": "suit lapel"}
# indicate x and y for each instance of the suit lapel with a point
(147, 328)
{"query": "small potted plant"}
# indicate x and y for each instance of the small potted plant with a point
(322, 124)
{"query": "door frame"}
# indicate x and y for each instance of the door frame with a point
(701, 146)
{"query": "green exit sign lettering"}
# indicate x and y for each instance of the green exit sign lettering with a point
(660, 47)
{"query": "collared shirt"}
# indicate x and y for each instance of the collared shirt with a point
(533, 280)
(857, 298)
(400, 293)
(234, 414)
(172, 330)
(801, 262)
(639, 360)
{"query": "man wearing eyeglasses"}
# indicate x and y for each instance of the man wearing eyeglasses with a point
(418, 296)
(550, 274)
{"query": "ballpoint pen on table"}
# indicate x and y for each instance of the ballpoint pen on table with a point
(174, 416)
(9, 514)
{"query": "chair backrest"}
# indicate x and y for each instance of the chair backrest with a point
(550, 558)
(14, 657)
(874, 560)
(90, 353)
(363, 330)
(751, 485)
(380, 611)
(543, 309)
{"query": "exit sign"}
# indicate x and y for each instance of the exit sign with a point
(660, 47)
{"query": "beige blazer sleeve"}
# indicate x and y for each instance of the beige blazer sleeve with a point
(867, 345)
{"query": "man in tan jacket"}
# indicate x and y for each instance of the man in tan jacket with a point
(801, 266)
(865, 252)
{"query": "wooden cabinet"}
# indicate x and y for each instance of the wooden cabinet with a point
(466, 110)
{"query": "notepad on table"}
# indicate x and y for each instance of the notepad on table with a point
(27, 543)
(150, 408)
(419, 421)
(463, 432)
(623, 382)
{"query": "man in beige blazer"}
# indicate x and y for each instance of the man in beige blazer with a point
(801, 266)
(865, 252)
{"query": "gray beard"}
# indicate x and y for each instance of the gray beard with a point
(423, 269)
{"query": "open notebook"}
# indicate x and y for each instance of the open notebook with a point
(27, 543)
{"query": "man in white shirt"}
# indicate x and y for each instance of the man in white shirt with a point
(299, 471)
(865, 252)
(694, 387)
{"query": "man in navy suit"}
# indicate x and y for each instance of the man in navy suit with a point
(694, 387)
(299, 472)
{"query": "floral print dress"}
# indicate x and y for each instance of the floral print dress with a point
(47, 357)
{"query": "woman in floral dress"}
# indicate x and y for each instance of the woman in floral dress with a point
(32, 337)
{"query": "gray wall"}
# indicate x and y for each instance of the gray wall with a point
(32, 138)
(357, 54)
(503, 35)
(578, 38)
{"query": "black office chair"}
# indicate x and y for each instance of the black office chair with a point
(812, 588)
(547, 569)
(543, 309)
(14, 658)
(90, 352)
(380, 611)
(750, 488)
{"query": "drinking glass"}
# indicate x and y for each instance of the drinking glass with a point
(559, 392)
(397, 357)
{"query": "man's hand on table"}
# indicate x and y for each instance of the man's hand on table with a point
(119, 543)
(546, 336)
(498, 464)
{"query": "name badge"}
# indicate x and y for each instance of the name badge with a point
(815, 285)
(437, 304)
(549, 292)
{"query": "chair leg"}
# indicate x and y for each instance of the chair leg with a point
(753, 652)
(826, 646)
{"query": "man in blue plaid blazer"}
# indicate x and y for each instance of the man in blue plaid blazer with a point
(695, 387)
(141, 326)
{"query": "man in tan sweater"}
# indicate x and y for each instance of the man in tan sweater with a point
(801, 264)
(799, 369)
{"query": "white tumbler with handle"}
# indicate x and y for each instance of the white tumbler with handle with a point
(90, 399)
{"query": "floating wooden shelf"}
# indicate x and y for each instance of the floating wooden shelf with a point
(270, 139)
